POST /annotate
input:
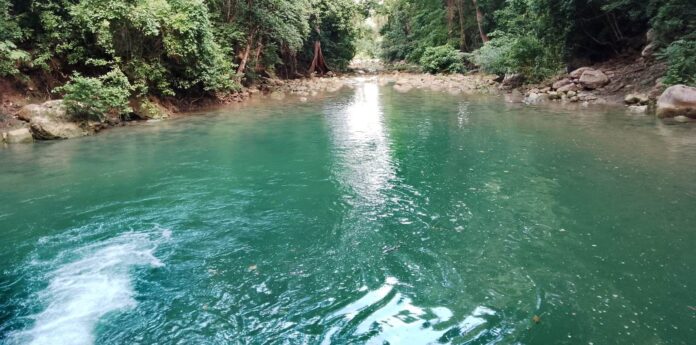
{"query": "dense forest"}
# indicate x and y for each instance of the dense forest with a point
(102, 53)
(538, 38)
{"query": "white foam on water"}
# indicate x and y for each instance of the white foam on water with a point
(81, 292)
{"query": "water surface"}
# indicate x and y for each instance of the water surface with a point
(364, 216)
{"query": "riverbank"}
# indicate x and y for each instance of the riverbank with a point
(634, 86)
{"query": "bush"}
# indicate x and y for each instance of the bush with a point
(681, 62)
(95, 98)
(526, 55)
(442, 59)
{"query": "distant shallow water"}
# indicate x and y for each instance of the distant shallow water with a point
(364, 216)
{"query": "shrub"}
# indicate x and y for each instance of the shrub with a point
(440, 59)
(10, 58)
(95, 98)
(681, 62)
(527, 55)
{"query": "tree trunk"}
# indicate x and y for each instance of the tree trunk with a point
(257, 55)
(479, 21)
(462, 32)
(318, 63)
(245, 55)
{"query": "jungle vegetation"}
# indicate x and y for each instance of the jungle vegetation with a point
(102, 53)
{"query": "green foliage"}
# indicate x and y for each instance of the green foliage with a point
(11, 57)
(335, 24)
(442, 59)
(95, 97)
(411, 28)
(518, 54)
(681, 62)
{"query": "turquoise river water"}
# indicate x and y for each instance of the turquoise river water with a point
(365, 216)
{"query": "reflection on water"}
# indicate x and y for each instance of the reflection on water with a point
(362, 142)
(386, 316)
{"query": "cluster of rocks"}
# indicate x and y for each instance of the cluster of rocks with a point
(452, 83)
(575, 87)
(303, 88)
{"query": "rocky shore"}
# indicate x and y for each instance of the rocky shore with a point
(586, 86)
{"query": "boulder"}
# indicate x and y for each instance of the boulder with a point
(593, 79)
(512, 80)
(639, 99)
(578, 72)
(149, 109)
(677, 100)
(18, 136)
(561, 83)
(50, 121)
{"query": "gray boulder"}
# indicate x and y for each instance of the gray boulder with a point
(677, 100)
(50, 121)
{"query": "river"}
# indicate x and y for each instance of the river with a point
(365, 216)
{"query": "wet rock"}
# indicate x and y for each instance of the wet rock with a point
(535, 98)
(677, 100)
(571, 93)
(593, 79)
(146, 109)
(639, 109)
(17, 136)
(682, 119)
(554, 95)
(636, 99)
(50, 121)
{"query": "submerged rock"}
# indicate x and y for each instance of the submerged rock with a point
(50, 121)
(677, 100)
(18, 136)
(535, 98)
(639, 109)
